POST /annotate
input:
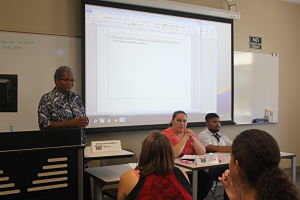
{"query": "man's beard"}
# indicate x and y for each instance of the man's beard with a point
(214, 130)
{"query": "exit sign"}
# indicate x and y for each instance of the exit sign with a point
(255, 42)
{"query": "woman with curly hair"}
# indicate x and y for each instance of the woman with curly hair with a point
(253, 170)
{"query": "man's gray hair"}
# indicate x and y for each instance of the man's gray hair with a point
(59, 71)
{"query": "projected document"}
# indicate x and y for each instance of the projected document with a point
(142, 66)
(138, 68)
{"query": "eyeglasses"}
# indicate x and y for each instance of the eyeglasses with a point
(68, 80)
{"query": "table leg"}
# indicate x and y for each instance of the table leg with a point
(97, 190)
(80, 174)
(195, 184)
(293, 163)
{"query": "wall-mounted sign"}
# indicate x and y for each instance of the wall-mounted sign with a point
(255, 42)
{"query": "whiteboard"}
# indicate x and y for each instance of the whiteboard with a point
(34, 58)
(255, 86)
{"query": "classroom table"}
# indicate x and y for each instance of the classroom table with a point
(105, 176)
(291, 156)
(89, 156)
(203, 166)
(225, 162)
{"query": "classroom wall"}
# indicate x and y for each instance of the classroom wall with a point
(275, 21)
(60, 17)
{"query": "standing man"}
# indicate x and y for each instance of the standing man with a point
(211, 138)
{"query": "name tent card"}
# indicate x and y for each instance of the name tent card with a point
(212, 158)
(106, 145)
(197, 160)
(207, 158)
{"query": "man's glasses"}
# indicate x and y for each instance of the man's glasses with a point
(68, 80)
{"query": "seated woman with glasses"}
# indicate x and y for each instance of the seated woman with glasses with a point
(62, 108)
(155, 177)
(253, 169)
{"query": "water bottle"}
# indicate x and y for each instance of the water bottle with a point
(267, 115)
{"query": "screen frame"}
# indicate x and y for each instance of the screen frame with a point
(159, 11)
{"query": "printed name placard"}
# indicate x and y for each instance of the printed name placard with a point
(210, 158)
(107, 145)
